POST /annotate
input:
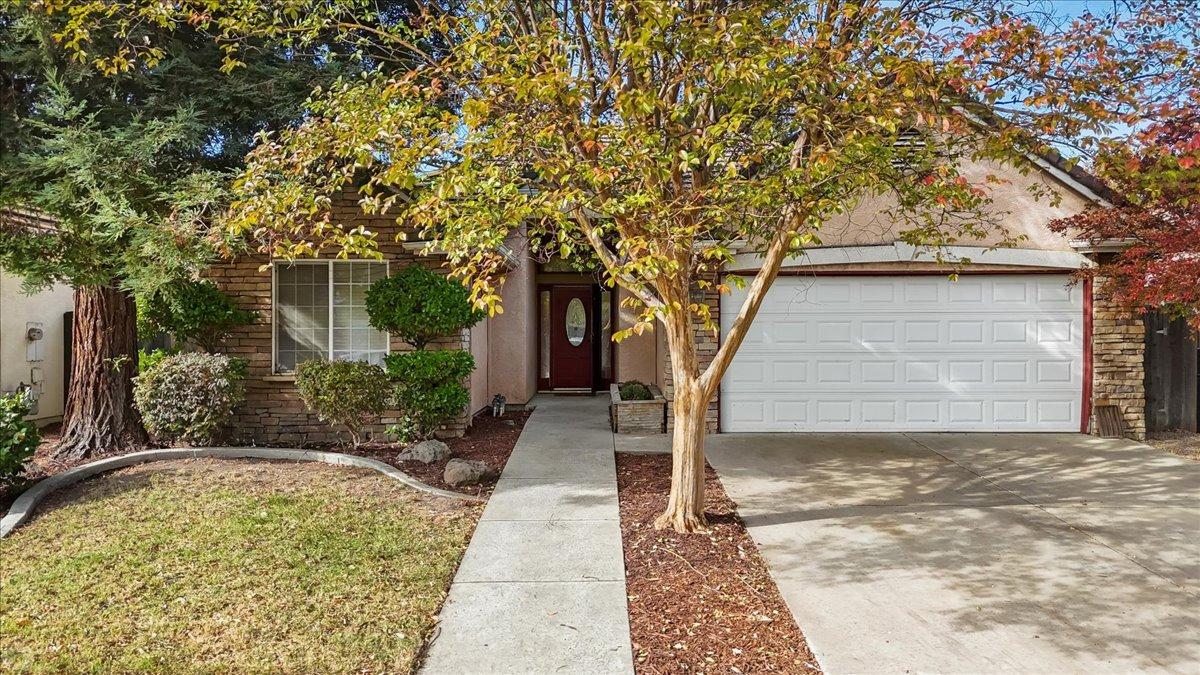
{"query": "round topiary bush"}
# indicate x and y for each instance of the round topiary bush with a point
(419, 306)
(192, 311)
(429, 388)
(189, 397)
(350, 393)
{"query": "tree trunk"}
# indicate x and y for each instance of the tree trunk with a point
(685, 506)
(99, 415)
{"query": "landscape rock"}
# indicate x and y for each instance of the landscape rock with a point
(426, 452)
(467, 472)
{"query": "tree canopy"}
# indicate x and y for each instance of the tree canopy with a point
(1156, 222)
(130, 168)
(661, 135)
(111, 182)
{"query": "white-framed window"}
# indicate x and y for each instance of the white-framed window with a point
(319, 311)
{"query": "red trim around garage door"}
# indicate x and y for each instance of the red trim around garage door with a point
(1085, 410)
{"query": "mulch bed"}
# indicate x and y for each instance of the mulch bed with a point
(490, 439)
(700, 603)
(1183, 443)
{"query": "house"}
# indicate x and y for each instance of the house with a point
(861, 334)
(35, 332)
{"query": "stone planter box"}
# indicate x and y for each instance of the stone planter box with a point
(638, 417)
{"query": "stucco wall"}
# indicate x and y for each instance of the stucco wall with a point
(637, 355)
(1013, 205)
(479, 379)
(46, 307)
(512, 352)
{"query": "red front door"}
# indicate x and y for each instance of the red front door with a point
(571, 337)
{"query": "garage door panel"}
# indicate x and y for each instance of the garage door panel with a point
(946, 375)
(831, 413)
(909, 353)
(1030, 292)
(892, 331)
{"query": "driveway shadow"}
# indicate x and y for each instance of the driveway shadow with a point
(964, 553)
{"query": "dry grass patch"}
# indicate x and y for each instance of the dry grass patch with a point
(1182, 443)
(218, 565)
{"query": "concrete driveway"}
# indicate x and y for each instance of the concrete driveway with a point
(957, 553)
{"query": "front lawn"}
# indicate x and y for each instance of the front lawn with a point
(226, 566)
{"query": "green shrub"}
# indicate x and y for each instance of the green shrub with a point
(149, 359)
(632, 390)
(18, 437)
(189, 397)
(193, 311)
(419, 306)
(350, 393)
(429, 388)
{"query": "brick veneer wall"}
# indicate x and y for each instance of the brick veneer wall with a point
(707, 343)
(1118, 362)
(273, 413)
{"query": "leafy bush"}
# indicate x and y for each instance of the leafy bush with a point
(350, 393)
(632, 390)
(429, 388)
(189, 397)
(419, 306)
(195, 311)
(149, 359)
(18, 438)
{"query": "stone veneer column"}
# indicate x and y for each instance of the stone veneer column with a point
(707, 342)
(1118, 362)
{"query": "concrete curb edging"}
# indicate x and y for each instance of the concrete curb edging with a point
(24, 506)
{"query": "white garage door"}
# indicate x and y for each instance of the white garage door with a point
(914, 353)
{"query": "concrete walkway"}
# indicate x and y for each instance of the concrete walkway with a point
(974, 553)
(541, 588)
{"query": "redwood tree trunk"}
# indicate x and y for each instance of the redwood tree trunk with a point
(99, 415)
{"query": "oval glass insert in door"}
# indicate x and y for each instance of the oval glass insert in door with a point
(576, 320)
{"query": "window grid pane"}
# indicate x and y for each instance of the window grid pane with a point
(318, 302)
(353, 337)
(301, 314)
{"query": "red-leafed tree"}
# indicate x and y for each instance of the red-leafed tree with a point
(1157, 218)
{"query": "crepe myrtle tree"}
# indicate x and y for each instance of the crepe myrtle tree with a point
(653, 134)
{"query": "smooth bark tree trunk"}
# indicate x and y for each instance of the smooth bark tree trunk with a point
(99, 415)
(685, 505)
